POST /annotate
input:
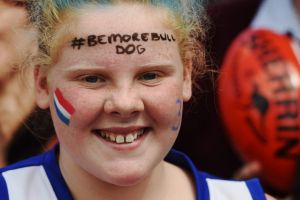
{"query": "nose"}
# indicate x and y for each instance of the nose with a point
(124, 103)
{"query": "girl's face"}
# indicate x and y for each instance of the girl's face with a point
(123, 98)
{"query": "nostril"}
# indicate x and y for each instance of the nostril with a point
(122, 105)
(115, 113)
(125, 114)
(135, 113)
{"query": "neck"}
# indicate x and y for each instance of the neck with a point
(86, 186)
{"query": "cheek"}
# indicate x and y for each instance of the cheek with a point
(165, 107)
(86, 108)
(168, 114)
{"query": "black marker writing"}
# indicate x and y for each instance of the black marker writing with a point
(135, 37)
(130, 49)
(78, 43)
(94, 40)
(162, 37)
(144, 37)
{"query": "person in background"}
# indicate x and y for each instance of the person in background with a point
(18, 118)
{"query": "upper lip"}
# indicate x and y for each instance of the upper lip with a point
(120, 130)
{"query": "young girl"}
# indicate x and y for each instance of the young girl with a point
(115, 75)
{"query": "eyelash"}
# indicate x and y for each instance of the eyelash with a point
(156, 74)
(150, 78)
(154, 78)
(91, 79)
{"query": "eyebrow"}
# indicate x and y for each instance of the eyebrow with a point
(166, 65)
(95, 67)
(83, 66)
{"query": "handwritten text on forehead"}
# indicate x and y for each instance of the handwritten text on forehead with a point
(126, 43)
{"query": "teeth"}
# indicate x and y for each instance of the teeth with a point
(140, 132)
(121, 139)
(112, 138)
(129, 138)
(102, 134)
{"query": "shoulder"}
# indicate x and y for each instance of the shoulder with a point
(212, 187)
(25, 169)
(30, 162)
(268, 197)
(232, 189)
(23, 178)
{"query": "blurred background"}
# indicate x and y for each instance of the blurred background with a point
(246, 121)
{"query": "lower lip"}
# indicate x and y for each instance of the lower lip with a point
(125, 146)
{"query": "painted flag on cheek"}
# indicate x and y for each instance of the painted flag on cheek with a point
(63, 108)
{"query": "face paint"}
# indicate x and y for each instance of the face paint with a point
(63, 108)
(176, 127)
(129, 48)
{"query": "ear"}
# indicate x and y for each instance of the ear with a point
(41, 87)
(187, 79)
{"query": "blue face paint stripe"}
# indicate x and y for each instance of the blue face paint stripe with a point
(61, 116)
(176, 127)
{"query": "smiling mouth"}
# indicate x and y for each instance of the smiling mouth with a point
(118, 138)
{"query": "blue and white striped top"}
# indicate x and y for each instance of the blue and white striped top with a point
(40, 178)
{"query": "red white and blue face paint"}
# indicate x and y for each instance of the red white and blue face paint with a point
(177, 125)
(63, 107)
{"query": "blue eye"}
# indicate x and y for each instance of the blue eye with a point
(149, 76)
(91, 79)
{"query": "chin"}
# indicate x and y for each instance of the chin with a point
(127, 179)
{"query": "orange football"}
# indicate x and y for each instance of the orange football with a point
(259, 97)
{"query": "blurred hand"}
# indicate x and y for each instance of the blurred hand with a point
(16, 95)
(12, 18)
(249, 170)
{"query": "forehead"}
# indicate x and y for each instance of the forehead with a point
(120, 18)
(134, 21)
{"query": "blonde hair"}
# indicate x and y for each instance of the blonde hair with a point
(53, 19)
